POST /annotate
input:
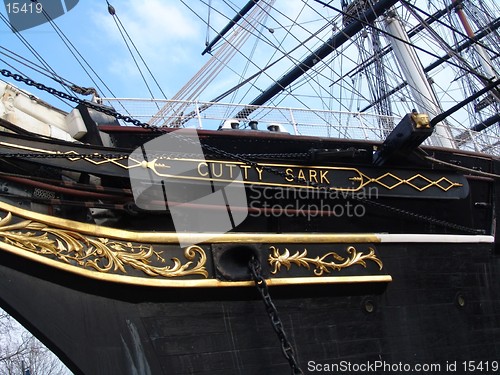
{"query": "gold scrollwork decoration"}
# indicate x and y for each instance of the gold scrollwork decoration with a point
(101, 254)
(321, 264)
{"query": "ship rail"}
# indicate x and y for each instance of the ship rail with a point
(296, 121)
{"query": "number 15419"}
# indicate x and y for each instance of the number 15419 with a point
(26, 8)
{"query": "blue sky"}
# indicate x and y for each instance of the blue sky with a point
(168, 35)
(171, 38)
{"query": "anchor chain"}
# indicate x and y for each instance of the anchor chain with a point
(286, 346)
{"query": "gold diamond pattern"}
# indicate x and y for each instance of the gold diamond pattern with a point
(443, 183)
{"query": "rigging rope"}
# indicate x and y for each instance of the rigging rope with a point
(120, 27)
(47, 67)
(74, 51)
(192, 89)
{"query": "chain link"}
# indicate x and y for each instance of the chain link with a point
(63, 95)
(64, 156)
(231, 156)
(286, 346)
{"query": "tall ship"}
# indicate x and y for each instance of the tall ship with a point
(322, 196)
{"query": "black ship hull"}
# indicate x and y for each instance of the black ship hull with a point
(440, 309)
(414, 281)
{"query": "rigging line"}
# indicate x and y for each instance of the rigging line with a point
(247, 65)
(394, 90)
(455, 108)
(318, 71)
(266, 73)
(310, 79)
(31, 65)
(480, 76)
(322, 52)
(232, 45)
(305, 22)
(234, 21)
(301, 43)
(267, 6)
(132, 54)
(374, 88)
(111, 10)
(67, 42)
(316, 34)
(274, 101)
(390, 92)
(222, 55)
(431, 98)
(72, 49)
(455, 30)
(30, 48)
(10, 66)
(306, 79)
(449, 94)
(207, 72)
(349, 86)
(225, 39)
(280, 43)
(20, 72)
(263, 38)
(220, 97)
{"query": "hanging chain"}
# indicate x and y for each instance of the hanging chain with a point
(286, 346)
(74, 99)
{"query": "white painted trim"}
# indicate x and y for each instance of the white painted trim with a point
(435, 238)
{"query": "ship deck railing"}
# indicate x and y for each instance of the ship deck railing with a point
(296, 121)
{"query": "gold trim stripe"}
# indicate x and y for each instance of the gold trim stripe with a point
(273, 238)
(173, 238)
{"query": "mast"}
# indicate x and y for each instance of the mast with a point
(484, 59)
(420, 88)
